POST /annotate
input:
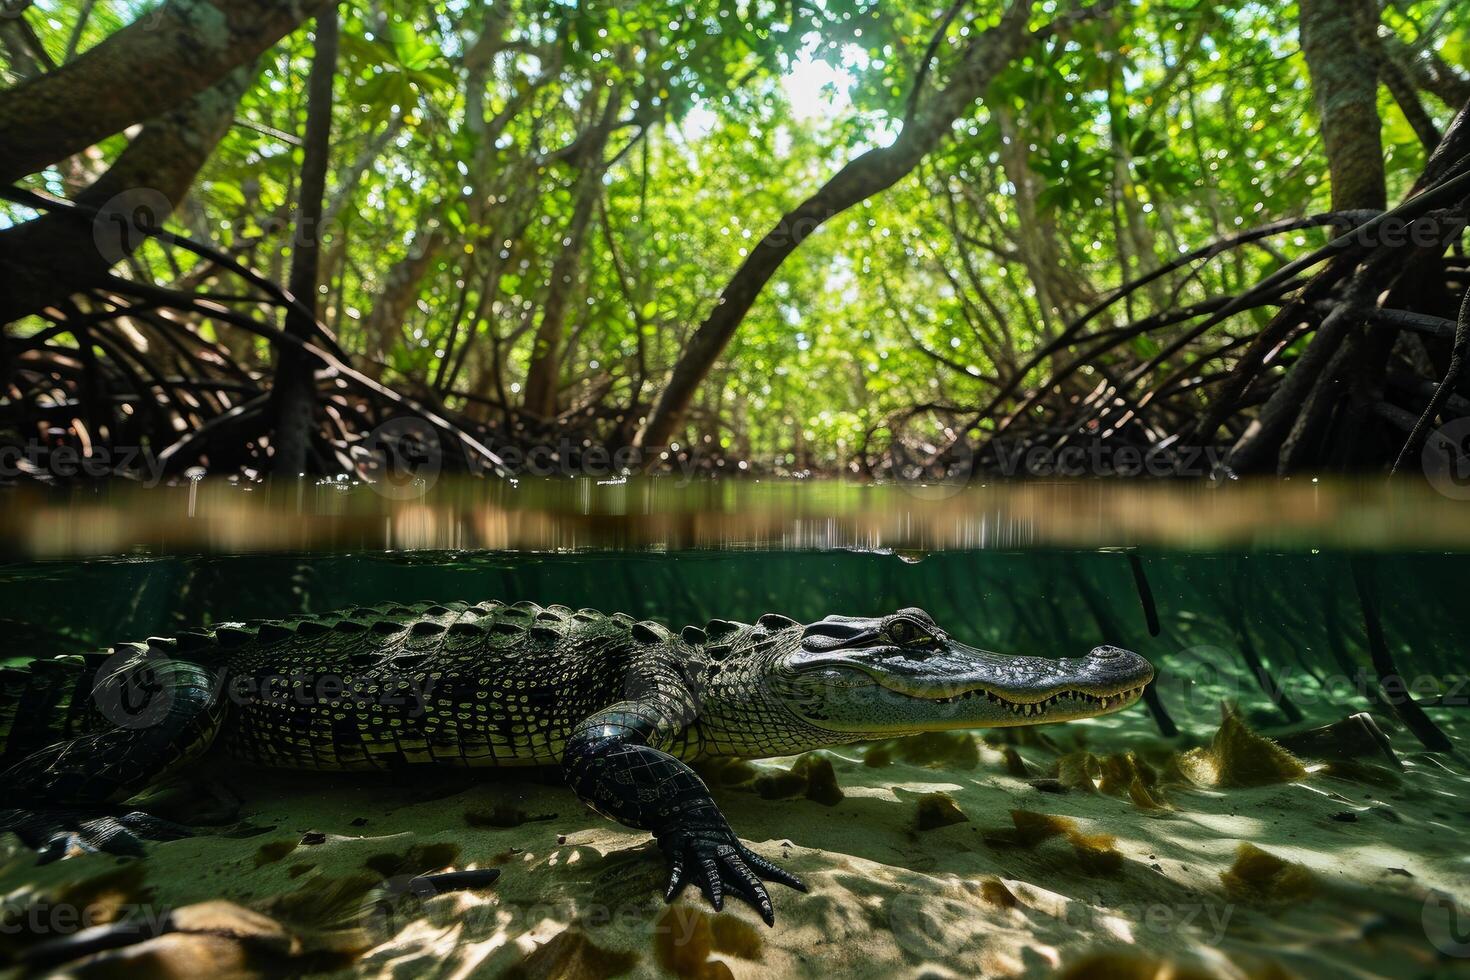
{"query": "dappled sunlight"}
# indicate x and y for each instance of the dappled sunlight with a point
(976, 895)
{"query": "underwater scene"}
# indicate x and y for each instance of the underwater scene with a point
(563, 490)
(958, 792)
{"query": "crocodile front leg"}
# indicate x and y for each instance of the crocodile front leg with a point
(614, 762)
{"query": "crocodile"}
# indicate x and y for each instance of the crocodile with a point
(623, 706)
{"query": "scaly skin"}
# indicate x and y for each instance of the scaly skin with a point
(621, 705)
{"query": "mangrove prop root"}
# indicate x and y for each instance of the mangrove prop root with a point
(1391, 684)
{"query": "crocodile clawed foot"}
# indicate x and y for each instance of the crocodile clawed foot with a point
(58, 833)
(707, 852)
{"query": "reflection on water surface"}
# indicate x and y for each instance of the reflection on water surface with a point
(674, 514)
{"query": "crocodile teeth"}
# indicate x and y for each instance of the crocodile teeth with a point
(1033, 709)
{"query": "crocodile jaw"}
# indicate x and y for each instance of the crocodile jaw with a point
(884, 691)
(999, 711)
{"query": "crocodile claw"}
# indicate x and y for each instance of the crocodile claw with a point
(708, 853)
(59, 833)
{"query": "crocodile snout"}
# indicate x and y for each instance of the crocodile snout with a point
(1123, 666)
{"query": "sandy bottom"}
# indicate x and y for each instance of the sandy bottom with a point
(941, 858)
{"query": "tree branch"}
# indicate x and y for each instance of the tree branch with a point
(166, 57)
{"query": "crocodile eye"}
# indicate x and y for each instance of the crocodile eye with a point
(908, 634)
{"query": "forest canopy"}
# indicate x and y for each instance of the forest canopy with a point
(838, 236)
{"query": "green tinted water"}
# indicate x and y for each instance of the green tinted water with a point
(1258, 596)
(1218, 624)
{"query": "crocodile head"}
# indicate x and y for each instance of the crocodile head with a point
(902, 673)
